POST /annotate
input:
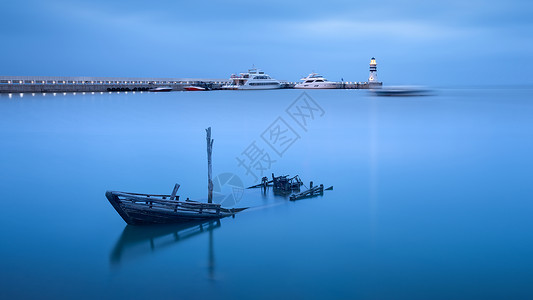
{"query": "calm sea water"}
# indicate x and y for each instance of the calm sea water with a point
(432, 195)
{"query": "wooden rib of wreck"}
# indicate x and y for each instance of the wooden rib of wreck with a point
(137, 208)
(311, 192)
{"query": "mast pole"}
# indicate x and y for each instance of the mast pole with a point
(209, 167)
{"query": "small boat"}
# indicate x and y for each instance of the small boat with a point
(161, 89)
(194, 88)
(136, 208)
(316, 81)
(402, 91)
(255, 79)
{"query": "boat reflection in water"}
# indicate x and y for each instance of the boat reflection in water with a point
(402, 91)
(136, 241)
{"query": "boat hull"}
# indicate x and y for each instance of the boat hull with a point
(135, 213)
(194, 88)
(250, 87)
(325, 85)
(161, 89)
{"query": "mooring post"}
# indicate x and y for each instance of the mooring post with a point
(264, 182)
(311, 187)
(209, 168)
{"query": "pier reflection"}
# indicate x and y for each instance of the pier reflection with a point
(138, 241)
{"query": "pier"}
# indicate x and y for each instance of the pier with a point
(47, 84)
(342, 85)
(61, 84)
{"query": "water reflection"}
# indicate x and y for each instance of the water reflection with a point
(137, 241)
(33, 94)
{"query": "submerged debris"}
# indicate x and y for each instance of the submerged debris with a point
(290, 185)
(311, 192)
(280, 183)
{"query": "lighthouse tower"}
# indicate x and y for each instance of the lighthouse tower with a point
(373, 78)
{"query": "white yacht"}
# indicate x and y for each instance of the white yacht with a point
(255, 79)
(316, 81)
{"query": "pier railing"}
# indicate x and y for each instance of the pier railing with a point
(43, 84)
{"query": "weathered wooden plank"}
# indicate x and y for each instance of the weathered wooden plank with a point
(139, 194)
(134, 198)
(262, 184)
(311, 192)
(174, 191)
(171, 206)
(209, 167)
(158, 209)
(169, 203)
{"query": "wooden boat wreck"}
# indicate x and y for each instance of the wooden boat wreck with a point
(286, 185)
(136, 208)
(281, 184)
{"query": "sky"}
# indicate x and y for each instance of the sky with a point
(438, 43)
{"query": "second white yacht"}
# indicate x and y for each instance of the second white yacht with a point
(316, 81)
(255, 79)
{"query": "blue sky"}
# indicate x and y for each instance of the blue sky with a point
(415, 42)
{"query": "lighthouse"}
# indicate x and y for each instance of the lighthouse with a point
(373, 78)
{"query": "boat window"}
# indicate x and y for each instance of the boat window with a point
(263, 83)
(309, 81)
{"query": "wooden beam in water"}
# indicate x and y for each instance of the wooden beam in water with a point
(209, 167)
(311, 192)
